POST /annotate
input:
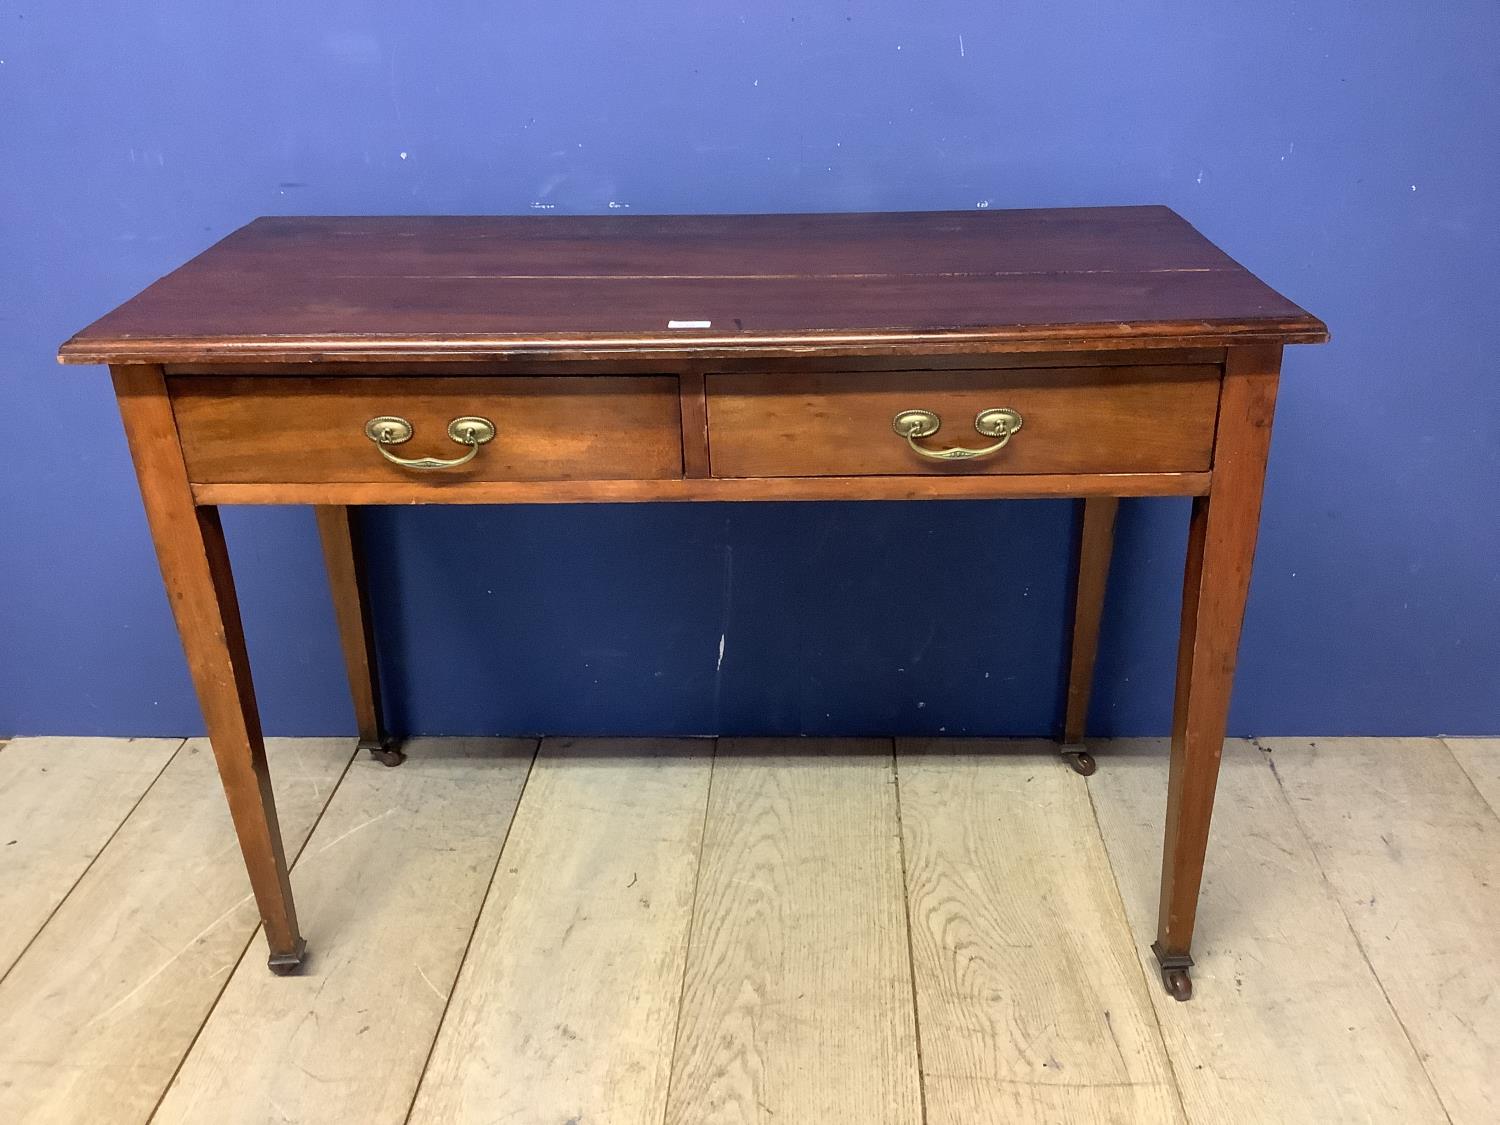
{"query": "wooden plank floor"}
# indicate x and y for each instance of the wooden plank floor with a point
(607, 931)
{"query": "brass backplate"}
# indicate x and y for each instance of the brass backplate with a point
(471, 430)
(388, 430)
(916, 423)
(997, 422)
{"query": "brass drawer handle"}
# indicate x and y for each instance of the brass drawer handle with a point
(998, 422)
(387, 431)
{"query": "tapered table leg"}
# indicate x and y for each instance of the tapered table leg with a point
(195, 567)
(338, 528)
(1096, 545)
(1221, 547)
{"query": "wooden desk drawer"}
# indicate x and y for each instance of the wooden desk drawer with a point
(1073, 420)
(312, 430)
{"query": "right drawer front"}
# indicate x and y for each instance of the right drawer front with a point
(1074, 420)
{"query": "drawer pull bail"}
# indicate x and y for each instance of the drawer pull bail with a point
(999, 422)
(388, 430)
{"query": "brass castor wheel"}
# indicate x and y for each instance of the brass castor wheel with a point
(1174, 972)
(285, 964)
(387, 753)
(1179, 984)
(1079, 759)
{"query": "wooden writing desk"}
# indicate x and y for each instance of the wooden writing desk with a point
(339, 362)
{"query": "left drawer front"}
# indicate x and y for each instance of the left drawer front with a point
(312, 431)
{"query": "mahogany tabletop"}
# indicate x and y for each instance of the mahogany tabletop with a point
(296, 289)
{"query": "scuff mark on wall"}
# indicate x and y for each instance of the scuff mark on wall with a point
(728, 601)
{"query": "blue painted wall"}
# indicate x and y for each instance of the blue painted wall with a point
(1346, 152)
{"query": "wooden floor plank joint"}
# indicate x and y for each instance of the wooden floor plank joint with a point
(473, 929)
(911, 956)
(1149, 980)
(1479, 758)
(798, 1004)
(1408, 846)
(394, 872)
(566, 1004)
(249, 945)
(99, 1013)
(80, 808)
(1287, 1023)
(708, 796)
(1354, 937)
(1030, 997)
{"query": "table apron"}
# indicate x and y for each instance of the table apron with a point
(707, 489)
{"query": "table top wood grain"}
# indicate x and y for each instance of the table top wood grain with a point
(312, 289)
